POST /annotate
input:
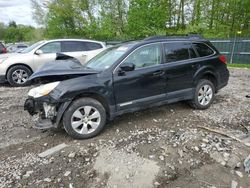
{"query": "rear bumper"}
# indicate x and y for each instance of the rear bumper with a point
(223, 81)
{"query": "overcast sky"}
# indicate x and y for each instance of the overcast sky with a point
(19, 11)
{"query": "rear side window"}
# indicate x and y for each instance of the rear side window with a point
(77, 46)
(21, 46)
(73, 46)
(202, 49)
(178, 51)
(93, 45)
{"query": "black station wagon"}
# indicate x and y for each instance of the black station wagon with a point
(126, 78)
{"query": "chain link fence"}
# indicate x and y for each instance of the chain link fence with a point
(236, 50)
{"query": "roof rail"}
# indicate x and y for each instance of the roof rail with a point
(189, 36)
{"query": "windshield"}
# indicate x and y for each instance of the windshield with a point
(107, 58)
(26, 50)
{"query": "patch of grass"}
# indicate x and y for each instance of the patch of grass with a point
(239, 65)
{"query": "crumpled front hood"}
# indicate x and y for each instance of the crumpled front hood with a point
(68, 68)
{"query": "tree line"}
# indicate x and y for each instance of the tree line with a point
(134, 19)
(12, 33)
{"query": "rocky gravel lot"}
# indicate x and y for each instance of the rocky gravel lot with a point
(166, 146)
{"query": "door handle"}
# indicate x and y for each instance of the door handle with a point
(158, 73)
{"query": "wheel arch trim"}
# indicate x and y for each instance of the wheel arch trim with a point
(206, 72)
(64, 106)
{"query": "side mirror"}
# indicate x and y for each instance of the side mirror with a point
(39, 52)
(126, 67)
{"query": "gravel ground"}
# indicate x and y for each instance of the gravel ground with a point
(159, 147)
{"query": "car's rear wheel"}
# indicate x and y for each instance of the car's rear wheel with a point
(85, 118)
(19, 75)
(204, 95)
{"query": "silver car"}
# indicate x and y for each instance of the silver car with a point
(16, 68)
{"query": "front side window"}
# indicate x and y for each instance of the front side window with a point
(202, 49)
(53, 47)
(177, 51)
(145, 56)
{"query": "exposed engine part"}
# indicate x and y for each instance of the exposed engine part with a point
(49, 110)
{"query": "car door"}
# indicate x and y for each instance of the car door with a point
(146, 83)
(46, 53)
(179, 65)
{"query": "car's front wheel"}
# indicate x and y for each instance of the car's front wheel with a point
(18, 75)
(204, 95)
(85, 118)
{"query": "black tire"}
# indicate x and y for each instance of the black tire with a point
(194, 103)
(12, 70)
(80, 103)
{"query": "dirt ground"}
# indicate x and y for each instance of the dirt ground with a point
(160, 147)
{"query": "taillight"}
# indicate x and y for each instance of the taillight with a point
(4, 50)
(223, 59)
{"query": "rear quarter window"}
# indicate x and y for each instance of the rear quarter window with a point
(93, 45)
(202, 49)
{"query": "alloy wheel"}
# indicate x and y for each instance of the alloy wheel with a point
(205, 95)
(85, 120)
(20, 76)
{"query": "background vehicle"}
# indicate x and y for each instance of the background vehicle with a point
(2, 48)
(16, 48)
(126, 78)
(16, 68)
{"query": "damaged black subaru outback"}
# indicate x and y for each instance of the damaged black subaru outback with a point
(126, 78)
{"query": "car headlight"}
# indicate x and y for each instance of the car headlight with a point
(3, 59)
(42, 90)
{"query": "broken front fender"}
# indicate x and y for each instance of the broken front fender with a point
(50, 114)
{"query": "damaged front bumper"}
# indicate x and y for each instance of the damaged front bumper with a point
(50, 112)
